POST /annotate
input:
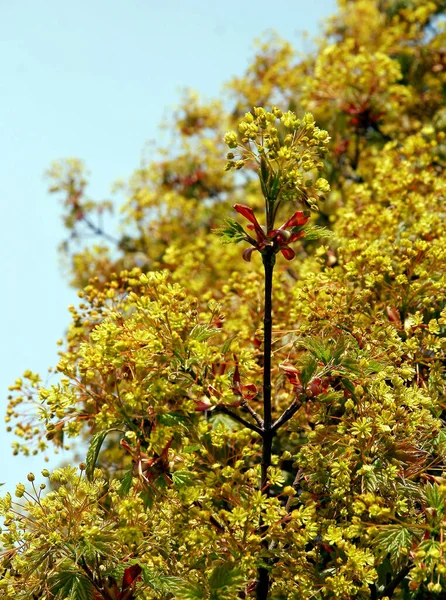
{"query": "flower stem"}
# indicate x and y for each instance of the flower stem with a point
(269, 257)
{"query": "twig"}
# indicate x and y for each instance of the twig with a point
(391, 587)
(99, 231)
(236, 417)
(287, 414)
(252, 412)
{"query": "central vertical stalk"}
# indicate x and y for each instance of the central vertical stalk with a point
(269, 258)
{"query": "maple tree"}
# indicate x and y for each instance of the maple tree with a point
(270, 427)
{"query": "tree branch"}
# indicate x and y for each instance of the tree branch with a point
(236, 417)
(252, 412)
(99, 231)
(391, 587)
(268, 257)
(287, 414)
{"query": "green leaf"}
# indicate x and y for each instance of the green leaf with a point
(223, 420)
(71, 584)
(319, 348)
(440, 442)
(93, 451)
(395, 540)
(232, 232)
(226, 346)
(275, 186)
(374, 366)
(348, 385)
(225, 581)
(126, 483)
(165, 584)
(173, 419)
(308, 369)
(201, 333)
(434, 497)
(314, 232)
(192, 448)
(183, 478)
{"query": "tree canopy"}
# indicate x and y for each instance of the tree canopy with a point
(161, 369)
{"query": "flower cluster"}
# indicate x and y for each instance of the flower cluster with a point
(285, 151)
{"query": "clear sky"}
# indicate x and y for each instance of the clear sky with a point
(93, 79)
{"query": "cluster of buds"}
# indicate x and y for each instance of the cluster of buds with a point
(285, 151)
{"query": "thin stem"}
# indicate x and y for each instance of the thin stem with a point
(286, 415)
(252, 412)
(236, 417)
(263, 580)
(391, 587)
(99, 231)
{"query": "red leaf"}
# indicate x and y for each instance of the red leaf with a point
(130, 577)
(291, 373)
(297, 220)
(213, 390)
(248, 253)
(236, 376)
(248, 213)
(288, 253)
(296, 236)
(315, 387)
(249, 391)
(202, 405)
(394, 316)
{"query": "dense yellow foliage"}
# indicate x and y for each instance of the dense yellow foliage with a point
(166, 344)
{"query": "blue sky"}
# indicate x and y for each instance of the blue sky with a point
(93, 79)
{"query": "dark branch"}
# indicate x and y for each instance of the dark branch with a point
(100, 232)
(268, 257)
(391, 587)
(286, 415)
(253, 413)
(236, 417)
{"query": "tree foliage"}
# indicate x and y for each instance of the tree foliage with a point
(162, 365)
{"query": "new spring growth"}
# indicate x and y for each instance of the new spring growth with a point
(285, 152)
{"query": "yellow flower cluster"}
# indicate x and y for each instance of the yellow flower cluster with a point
(285, 151)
